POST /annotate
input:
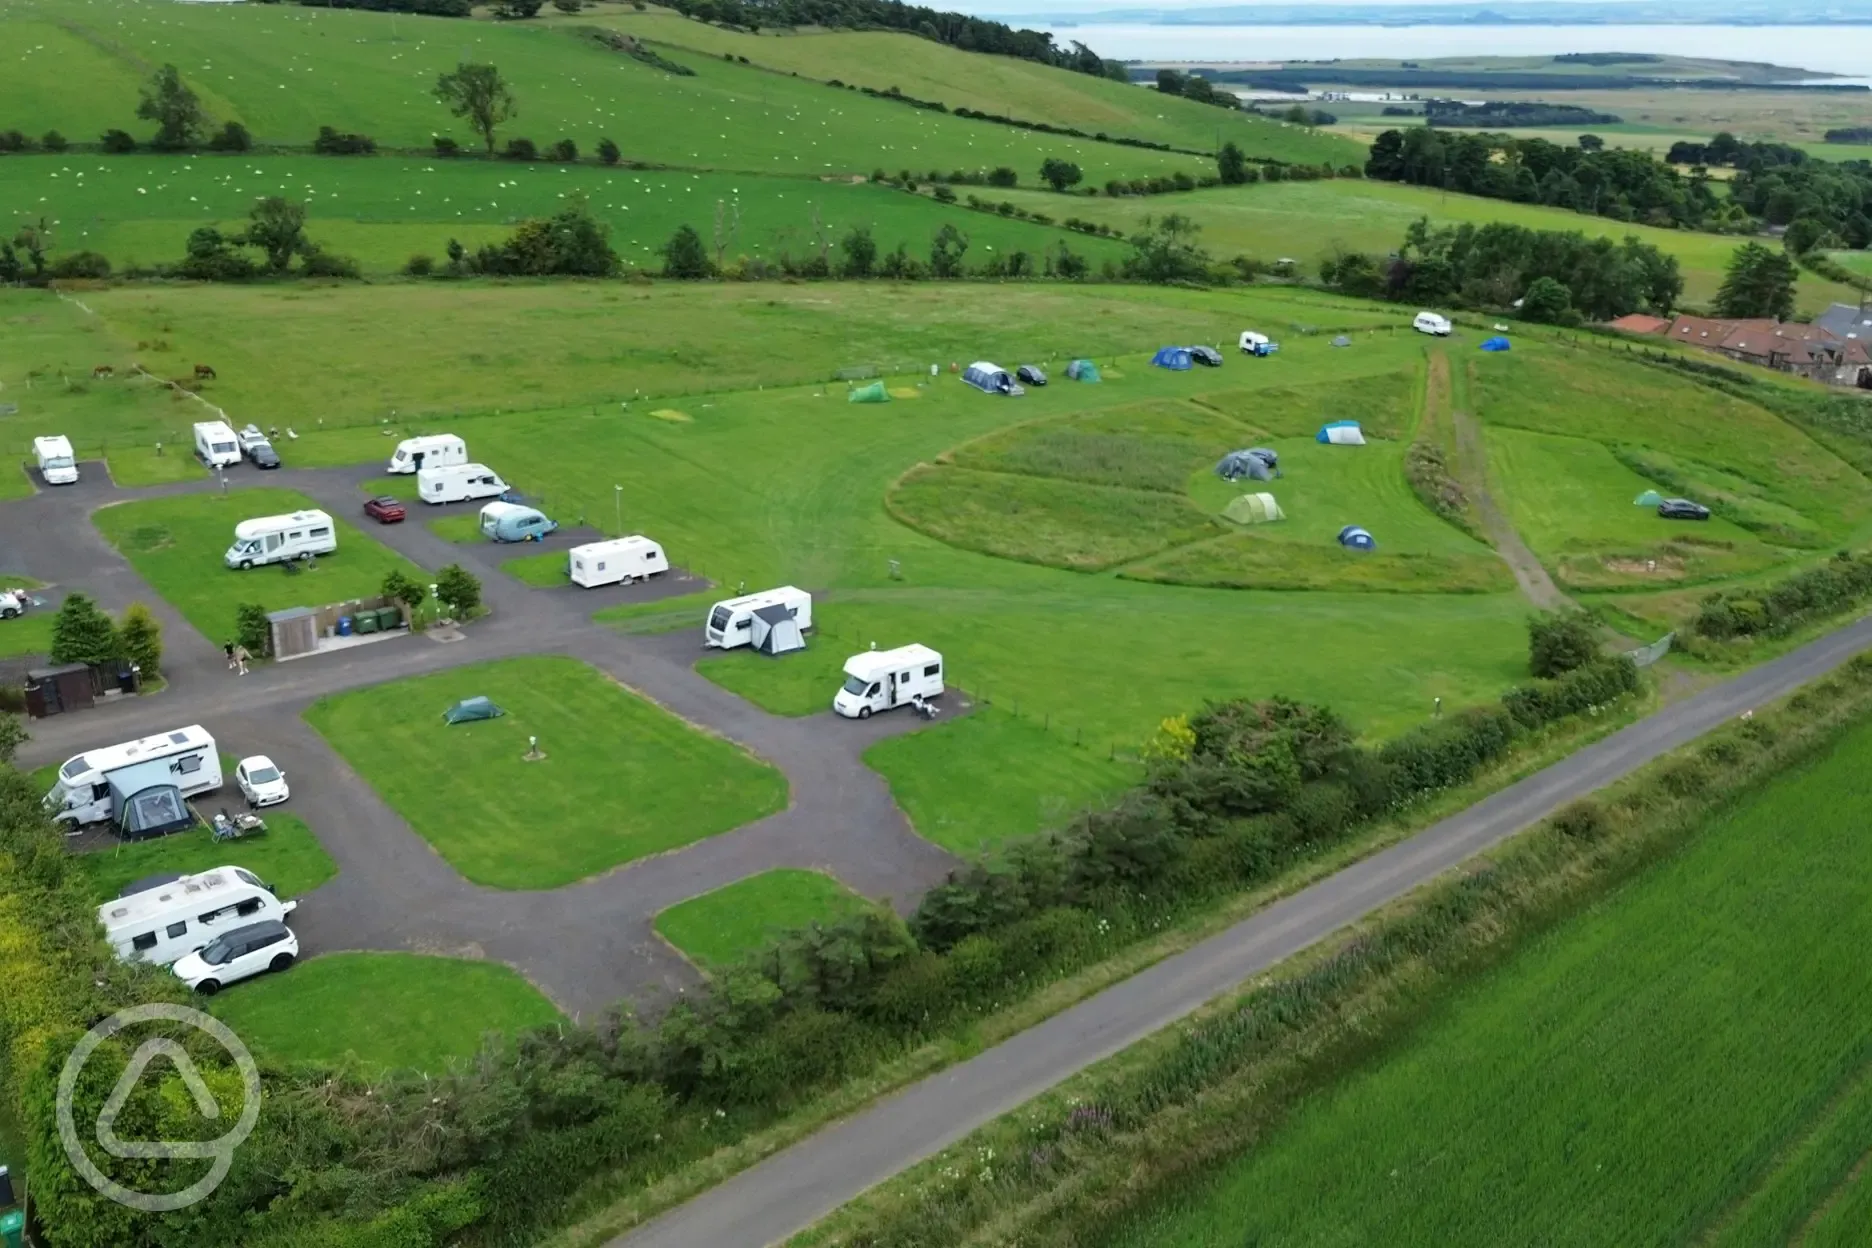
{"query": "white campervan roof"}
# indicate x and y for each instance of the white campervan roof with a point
(177, 741)
(868, 665)
(260, 526)
(204, 886)
(57, 446)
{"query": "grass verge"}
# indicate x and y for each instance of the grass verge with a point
(721, 927)
(287, 856)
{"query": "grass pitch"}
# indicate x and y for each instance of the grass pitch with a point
(719, 928)
(287, 856)
(622, 778)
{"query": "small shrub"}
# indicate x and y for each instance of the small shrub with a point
(332, 143)
(446, 147)
(14, 141)
(521, 149)
(328, 264)
(565, 151)
(232, 137)
(54, 141)
(1582, 820)
(1559, 642)
(419, 266)
(608, 152)
(118, 142)
(81, 264)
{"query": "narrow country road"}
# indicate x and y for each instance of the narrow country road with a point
(795, 1188)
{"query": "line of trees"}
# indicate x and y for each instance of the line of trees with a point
(83, 633)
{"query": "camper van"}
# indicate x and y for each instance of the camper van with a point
(278, 539)
(731, 622)
(442, 450)
(459, 483)
(1431, 323)
(167, 917)
(216, 444)
(56, 465)
(512, 522)
(615, 562)
(94, 786)
(878, 680)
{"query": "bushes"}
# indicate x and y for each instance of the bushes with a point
(117, 142)
(446, 147)
(232, 137)
(1434, 484)
(520, 149)
(331, 143)
(1838, 585)
(1560, 642)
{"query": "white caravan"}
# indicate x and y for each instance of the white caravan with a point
(618, 561)
(442, 450)
(458, 483)
(56, 463)
(1431, 323)
(92, 785)
(278, 539)
(731, 621)
(165, 918)
(216, 444)
(878, 680)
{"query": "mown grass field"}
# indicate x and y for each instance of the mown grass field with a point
(177, 544)
(722, 927)
(284, 71)
(622, 778)
(287, 856)
(389, 1011)
(1684, 1062)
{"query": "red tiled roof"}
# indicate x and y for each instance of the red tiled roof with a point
(1639, 323)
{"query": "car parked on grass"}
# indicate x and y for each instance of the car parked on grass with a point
(261, 783)
(1208, 357)
(1032, 374)
(1682, 509)
(385, 510)
(242, 953)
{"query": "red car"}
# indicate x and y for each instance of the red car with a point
(385, 510)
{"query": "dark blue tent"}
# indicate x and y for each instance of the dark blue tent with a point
(1496, 343)
(1175, 358)
(1354, 538)
(991, 378)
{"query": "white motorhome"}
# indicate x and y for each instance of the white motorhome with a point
(616, 562)
(1431, 323)
(277, 539)
(168, 917)
(441, 450)
(731, 621)
(458, 483)
(216, 444)
(56, 464)
(879, 680)
(93, 786)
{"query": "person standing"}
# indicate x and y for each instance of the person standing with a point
(240, 659)
(227, 648)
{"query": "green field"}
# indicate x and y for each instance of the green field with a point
(176, 544)
(1687, 1062)
(389, 1011)
(622, 778)
(30, 633)
(287, 856)
(724, 926)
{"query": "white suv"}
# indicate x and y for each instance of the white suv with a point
(238, 954)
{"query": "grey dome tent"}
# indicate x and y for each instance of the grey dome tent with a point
(1176, 359)
(1238, 464)
(777, 630)
(991, 379)
(153, 812)
(1083, 370)
(1650, 498)
(1354, 538)
(469, 709)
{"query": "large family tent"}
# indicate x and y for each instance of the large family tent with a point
(777, 630)
(470, 709)
(1082, 370)
(152, 812)
(1256, 464)
(1497, 343)
(1254, 509)
(1650, 498)
(991, 379)
(1354, 538)
(873, 393)
(1340, 433)
(1176, 359)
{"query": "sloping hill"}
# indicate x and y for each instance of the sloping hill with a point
(928, 70)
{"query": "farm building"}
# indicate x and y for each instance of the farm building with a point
(1832, 349)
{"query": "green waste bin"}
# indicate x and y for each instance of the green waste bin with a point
(366, 622)
(389, 618)
(12, 1229)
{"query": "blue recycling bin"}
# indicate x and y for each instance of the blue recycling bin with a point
(344, 626)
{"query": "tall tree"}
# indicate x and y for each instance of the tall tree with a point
(480, 95)
(140, 639)
(946, 252)
(684, 256)
(1231, 165)
(1060, 174)
(277, 227)
(1760, 282)
(1165, 250)
(176, 110)
(82, 633)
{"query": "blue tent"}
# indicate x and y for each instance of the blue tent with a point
(1496, 343)
(1354, 538)
(991, 378)
(1341, 433)
(1176, 359)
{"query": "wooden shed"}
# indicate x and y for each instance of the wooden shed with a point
(54, 690)
(295, 631)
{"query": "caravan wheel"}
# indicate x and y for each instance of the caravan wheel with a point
(245, 564)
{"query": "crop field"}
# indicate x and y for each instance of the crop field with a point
(176, 544)
(284, 71)
(721, 927)
(1306, 220)
(507, 822)
(391, 1011)
(1643, 1073)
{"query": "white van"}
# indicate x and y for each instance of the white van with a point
(216, 444)
(1431, 323)
(56, 464)
(616, 562)
(731, 621)
(277, 539)
(442, 450)
(878, 680)
(458, 483)
(90, 786)
(168, 917)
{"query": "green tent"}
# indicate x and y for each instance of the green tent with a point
(1650, 498)
(471, 709)
(873, 393)
(1254, 509)
(1082, 370)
